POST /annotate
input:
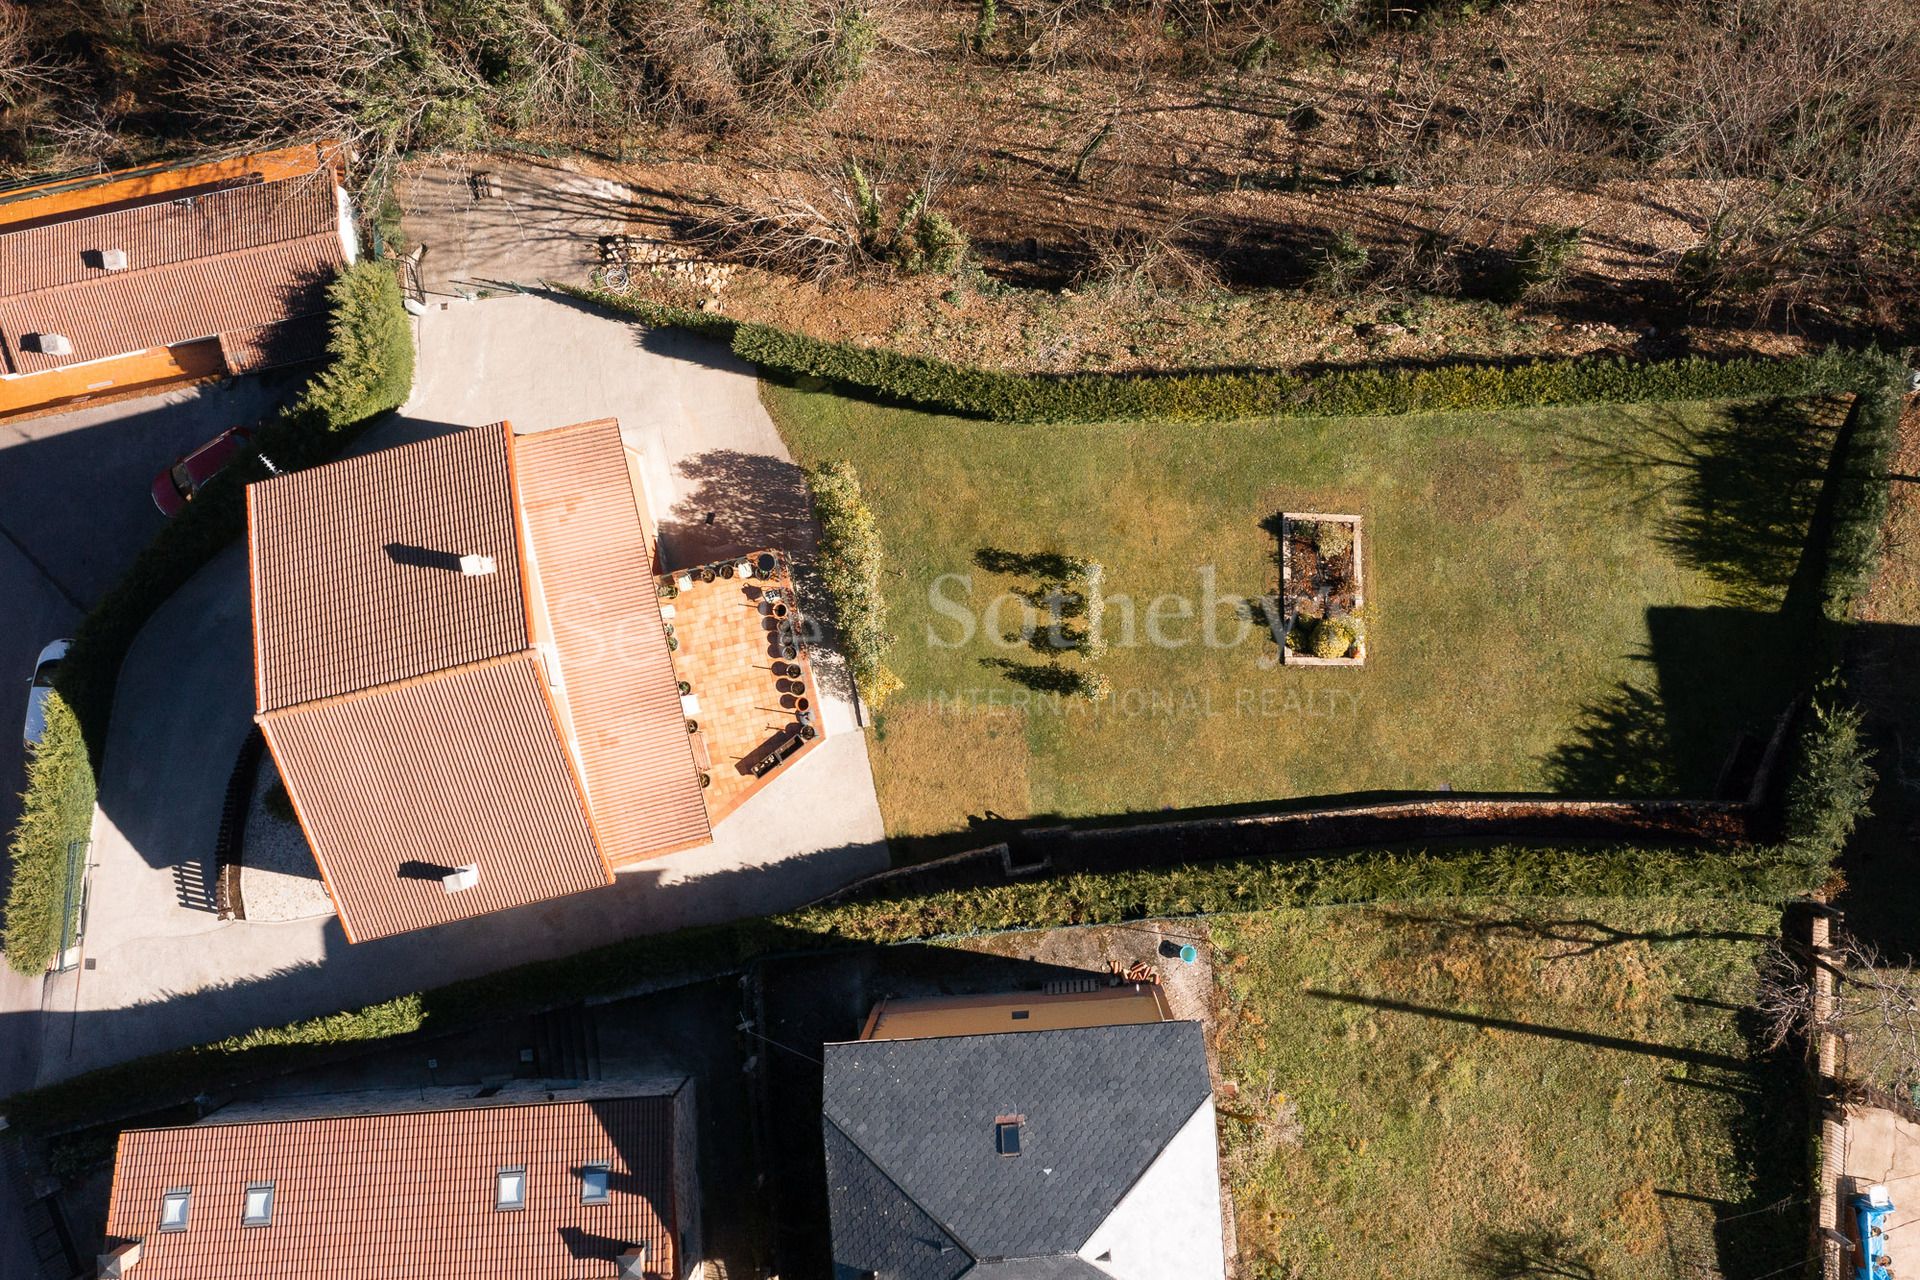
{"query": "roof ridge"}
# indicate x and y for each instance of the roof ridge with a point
(469, 1104)
(404, 682)
(1037, 1031)
(908, 1196)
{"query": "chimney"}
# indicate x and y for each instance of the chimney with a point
(461, 878)
(113, 259)
(54, 344)
(119, 1261)
(477, 566)
(633, 1263)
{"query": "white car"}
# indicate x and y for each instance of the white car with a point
(43, 669)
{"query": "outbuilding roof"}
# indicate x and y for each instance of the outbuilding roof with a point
(202, 266)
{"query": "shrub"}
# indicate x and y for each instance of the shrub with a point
(57, 809)
(1832, 781)
(1542, 263)
(1333, 637)
(1333, 538)
(1860, 494)
(1338, 265)
(851, 559)
(370, 349)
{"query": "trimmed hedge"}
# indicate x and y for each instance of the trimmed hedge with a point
(1861, 491)
(57, 810)
(1769, 874)
(851, 561)
(1336, 393)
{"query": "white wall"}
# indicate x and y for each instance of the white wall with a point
(1167, 1226)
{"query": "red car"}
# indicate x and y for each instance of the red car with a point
(174, 488)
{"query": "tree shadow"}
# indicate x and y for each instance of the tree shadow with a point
(1532, 1254)
(1695, 715)
(1041, 677)
(1742, 489)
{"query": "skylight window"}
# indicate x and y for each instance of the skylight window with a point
(174, 1206)
(1006, 1135)
(594, 1184)
(511, 1188)
(259, 1206)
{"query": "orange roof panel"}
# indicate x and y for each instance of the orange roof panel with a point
(397, 786)
(356, 573)
(592, 571)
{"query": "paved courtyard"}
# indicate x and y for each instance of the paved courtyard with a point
(161, 971)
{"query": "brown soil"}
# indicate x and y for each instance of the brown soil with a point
(1318, 586)
(1134, 206)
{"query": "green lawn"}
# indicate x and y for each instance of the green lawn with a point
(1529, 1089)
(1580, 601)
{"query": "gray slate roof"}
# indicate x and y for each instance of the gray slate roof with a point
(1098, 1104)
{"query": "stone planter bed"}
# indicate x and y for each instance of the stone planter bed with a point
(1319, 582)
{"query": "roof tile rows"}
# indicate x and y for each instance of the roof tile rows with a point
(355, 568)
(593, 571)
(232, 259)
(416, 723)
(61, 252)
(401, 785)
(399, 1196)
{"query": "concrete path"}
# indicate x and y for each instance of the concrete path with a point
(1880, 1147)
(159, 974)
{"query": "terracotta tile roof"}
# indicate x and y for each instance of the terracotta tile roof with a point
(354, 568)
(51, 254)
(404, 1196)
(199, 298)
(592, 571)
(401, 784)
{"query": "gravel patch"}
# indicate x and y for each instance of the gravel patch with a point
(279, 879)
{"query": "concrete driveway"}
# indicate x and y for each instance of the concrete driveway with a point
(159, 973)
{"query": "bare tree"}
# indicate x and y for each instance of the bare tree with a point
(1797, 117)
(1875, 1010)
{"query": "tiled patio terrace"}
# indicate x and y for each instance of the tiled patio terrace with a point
(746, 685)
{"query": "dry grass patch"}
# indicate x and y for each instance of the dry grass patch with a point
(942, 783)
(1436, 1092)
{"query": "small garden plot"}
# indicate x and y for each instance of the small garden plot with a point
(1321, 590)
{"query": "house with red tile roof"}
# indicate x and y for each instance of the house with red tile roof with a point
(465, 673)
(600, 1188)
(131, 281)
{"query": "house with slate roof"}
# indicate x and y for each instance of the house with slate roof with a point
(1073, 1152)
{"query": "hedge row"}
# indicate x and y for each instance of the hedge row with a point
(1861, 492)
(58, 811)
(1338, 393)
(1769, 874)
(369, 371)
